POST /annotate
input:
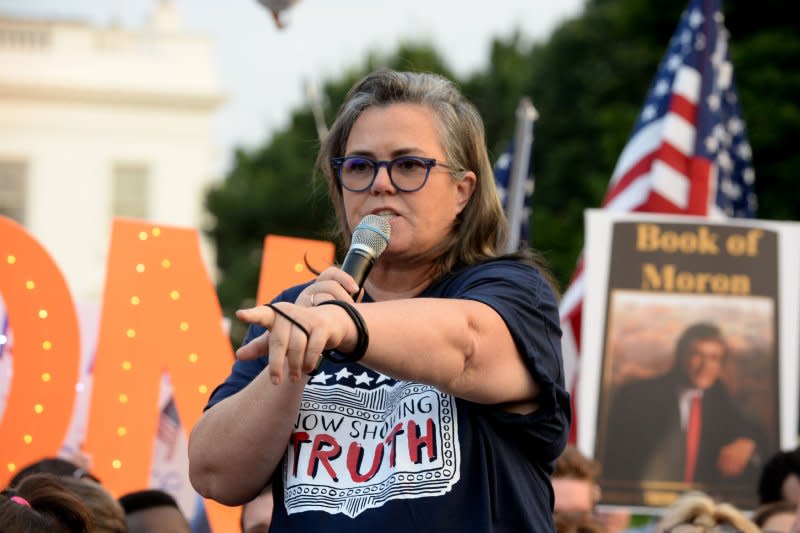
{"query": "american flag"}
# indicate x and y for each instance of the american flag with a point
(169, 427)
(5, 334)
(502, 180)
(688, 153)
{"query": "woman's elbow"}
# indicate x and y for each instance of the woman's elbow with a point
(214, 477)
(201, 473)
(205, 476)
(211, 485)
(200, 481)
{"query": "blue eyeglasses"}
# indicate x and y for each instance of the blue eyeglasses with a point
(407, 174)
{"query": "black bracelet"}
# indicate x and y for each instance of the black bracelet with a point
(290, 319)
(362, 340)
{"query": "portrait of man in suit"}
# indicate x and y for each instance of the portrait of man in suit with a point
(683, 425)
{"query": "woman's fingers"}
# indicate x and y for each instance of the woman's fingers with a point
(253, 349)
(258, 346)
(313, 353)
(292, 349)
(332, 284)
(274, 342)
(279, 337)
(323, 290)
(295, 353)
(342, 278)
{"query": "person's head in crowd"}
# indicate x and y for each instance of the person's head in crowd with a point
(257, 513)
(52, 465)
(575, 482)
(40, 503)
(107, 513)
(776, 517)
(576, 490)
(697, 512)
(700, 353)
(153, 511)
(780, 478)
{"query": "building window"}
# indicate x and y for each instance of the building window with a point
(129, 190)
(13, 176)
(17, 36)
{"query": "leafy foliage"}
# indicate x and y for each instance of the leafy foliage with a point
(273, 190)
(588, 82)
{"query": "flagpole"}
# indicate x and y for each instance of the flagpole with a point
(523, 138)
(316, 109)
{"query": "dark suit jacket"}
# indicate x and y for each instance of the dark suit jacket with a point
(645, 441)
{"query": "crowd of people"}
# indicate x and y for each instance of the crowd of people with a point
(56, 495)
(577, 493)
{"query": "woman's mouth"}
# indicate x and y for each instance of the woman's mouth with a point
(386, 213)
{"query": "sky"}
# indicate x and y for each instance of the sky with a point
(264, 70)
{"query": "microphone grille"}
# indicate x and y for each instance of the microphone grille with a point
(372, 232)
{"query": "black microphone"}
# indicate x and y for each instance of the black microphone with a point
(370, 239)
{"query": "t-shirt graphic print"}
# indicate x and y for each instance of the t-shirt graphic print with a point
(362, 439)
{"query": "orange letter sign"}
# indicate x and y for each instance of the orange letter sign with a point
(46, 350)
(283, 263)
(160, 313)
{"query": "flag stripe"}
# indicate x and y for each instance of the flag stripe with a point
(684, 108)
(671, 184)
(687, 84)
(679, 133)
(641, 168)
(645, 141)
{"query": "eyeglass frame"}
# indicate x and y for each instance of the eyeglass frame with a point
(338, 162)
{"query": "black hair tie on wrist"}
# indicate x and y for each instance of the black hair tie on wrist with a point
(362, 340)
(298, 326)
(290, 319)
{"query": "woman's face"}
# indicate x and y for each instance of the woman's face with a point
(419, 219)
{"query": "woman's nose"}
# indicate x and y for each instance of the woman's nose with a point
(382, 182)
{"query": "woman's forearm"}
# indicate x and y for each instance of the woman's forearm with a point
(462, 347)
(236, 445)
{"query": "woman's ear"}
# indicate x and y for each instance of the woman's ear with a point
(465, 186)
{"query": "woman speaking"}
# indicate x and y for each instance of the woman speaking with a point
(438, 401)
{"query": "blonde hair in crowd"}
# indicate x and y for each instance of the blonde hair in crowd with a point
(696, 512)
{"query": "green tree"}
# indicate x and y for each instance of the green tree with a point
(273, 190)
(588, 82)
(765, 52)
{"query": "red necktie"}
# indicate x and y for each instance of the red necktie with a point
(693, 437)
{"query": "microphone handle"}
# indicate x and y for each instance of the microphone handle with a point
(358, 263)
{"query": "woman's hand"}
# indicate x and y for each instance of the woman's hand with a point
(291, 351)
(332, 284)
(288, 345)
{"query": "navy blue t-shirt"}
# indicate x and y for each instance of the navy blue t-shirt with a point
(370, 453)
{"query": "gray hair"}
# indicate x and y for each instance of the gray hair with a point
(479, 231)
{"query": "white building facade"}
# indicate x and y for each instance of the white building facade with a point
(98, 122)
